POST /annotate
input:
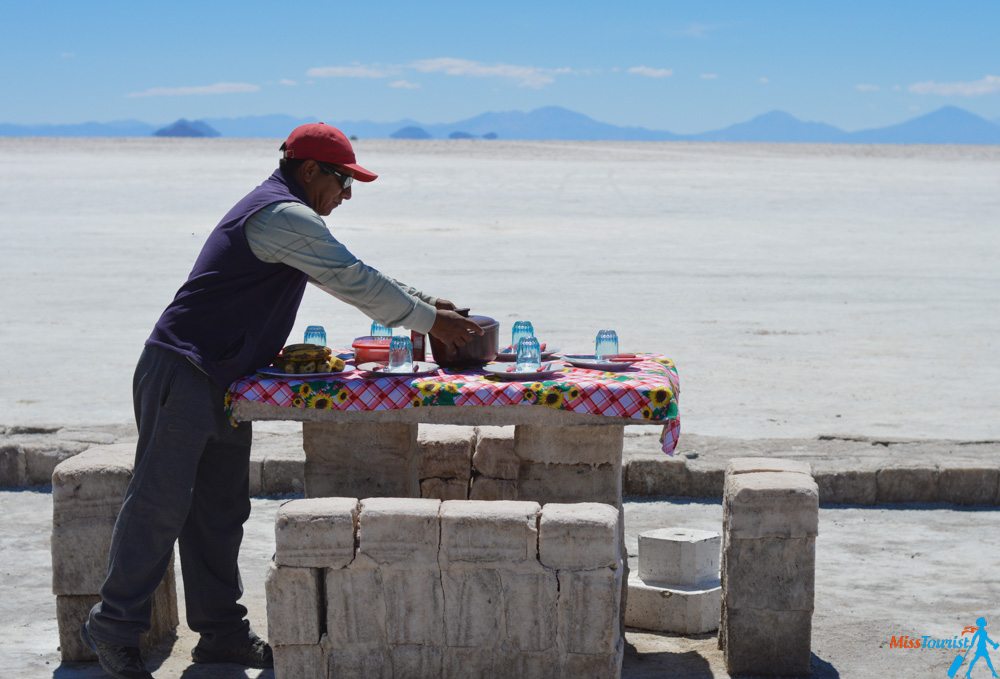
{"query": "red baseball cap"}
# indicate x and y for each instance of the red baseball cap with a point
(327, 144)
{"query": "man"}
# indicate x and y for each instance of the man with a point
(191, 478)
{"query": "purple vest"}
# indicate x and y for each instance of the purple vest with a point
(234, 313)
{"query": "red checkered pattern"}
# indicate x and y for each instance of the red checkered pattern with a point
(623, 394)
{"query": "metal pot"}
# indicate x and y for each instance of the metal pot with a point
(475, 354)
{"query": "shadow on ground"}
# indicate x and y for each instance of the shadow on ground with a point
(654, 655)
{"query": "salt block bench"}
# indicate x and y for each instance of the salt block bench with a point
(416, 587)
(87, 492)
(770, 517)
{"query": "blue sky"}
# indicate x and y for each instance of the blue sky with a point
(680, 66)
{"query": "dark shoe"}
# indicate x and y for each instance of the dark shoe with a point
(121, 662)
(249, 651)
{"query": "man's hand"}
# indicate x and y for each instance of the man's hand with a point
(445, 304)
(454, 330)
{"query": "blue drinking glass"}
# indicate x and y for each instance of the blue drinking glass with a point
(379, 330)
(606, 344)
(529, 355)
(400, 354)
(315, 334)
(520, 330)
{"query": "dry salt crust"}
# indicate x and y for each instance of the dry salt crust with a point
(879, 572)
(801, 289)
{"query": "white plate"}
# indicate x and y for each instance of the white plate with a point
(273, 372)
(512, 356)
(374, 369)
(590, 362)
(500, 372)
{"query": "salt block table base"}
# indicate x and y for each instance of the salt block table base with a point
(424, 588)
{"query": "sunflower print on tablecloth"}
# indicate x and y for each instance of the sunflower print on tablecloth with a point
(662, 404)
(430, 393)
(319, 395)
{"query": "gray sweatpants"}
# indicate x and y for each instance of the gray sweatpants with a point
(190, 484)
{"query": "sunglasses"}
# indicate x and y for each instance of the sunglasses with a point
(345, 179)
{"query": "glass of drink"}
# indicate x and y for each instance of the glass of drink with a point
(520, 330)
(606, 344)
(400, 354)
(315, 334)
(379, 330)
(529, 355)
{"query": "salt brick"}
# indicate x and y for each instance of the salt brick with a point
(847, 486)
(293, 605)
(360, 663)
(509, 662)
(473, 605)
(256, 482)
(767, 642)
(485, 488)
(414, 604)
(749, 465)
(416, 662)
(355, 608)
(13, 468)
(334, 441)
(593, 597)
(545, 483)
(578, 536)
(604, 666)
(72, 611)
(80, 555)
(647, 475)
(360, 459)
(679, 556)
(282, 475)
(394, 530)
(468, 663)
(968, 483)
(664, 609)
(770, 573)
(445, 451)
(299, 662)
(704, 479)
(480, 531)
(771, 504)
(316, 532)
(581, 444)
(444, 489)
(41, 461)
(93, 483)
(494, 456)
(361, 478)
(907, 483)
(530, 605)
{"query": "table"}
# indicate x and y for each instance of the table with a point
(361, 435)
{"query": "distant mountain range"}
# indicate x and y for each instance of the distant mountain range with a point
(948, 125)
(187, 128)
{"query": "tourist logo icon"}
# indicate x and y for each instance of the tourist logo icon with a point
(977, 647)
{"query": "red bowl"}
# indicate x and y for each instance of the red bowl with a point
(370, 349)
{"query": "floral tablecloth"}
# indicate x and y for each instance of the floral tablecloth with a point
(648, 391)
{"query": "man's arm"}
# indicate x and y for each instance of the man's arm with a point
(292, 234)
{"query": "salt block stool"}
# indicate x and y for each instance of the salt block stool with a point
(677, 588)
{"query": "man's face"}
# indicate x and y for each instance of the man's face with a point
(323, 189)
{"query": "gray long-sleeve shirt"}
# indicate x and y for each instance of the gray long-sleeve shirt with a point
(293, 234)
